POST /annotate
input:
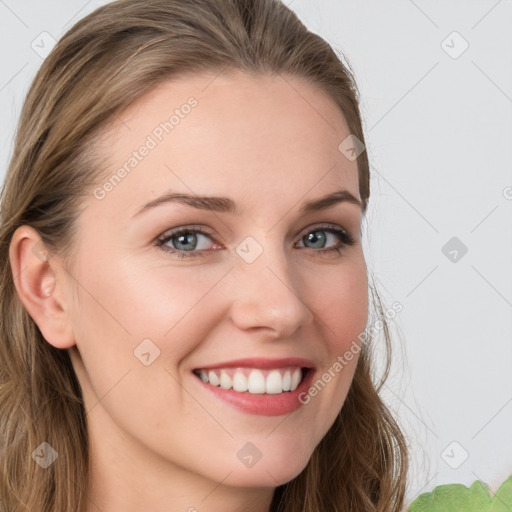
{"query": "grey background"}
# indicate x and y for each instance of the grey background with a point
(439, 131)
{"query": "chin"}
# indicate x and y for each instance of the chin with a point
(270, 471)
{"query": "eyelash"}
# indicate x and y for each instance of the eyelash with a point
(346, 238)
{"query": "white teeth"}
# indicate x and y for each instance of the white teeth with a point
(295, 379)
(213, 378)
(274, 383)
(240, 382)
(287, 381)
(256, 382)
(225, 381)
(253, 380)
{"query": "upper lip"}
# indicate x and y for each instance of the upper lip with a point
(260, 362)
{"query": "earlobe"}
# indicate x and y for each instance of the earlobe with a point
(34, 274)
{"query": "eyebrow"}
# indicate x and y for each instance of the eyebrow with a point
(227, 205)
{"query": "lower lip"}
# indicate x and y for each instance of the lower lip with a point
(262, 404)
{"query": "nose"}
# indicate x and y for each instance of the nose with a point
(269, 296)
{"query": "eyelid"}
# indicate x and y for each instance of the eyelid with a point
(324, 225)
(346, 240)
(208, 231)
(189, 228)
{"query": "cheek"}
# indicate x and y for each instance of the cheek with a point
(130, 301)
(341, 308)
(340, 301)
(126, 316)
(124, 302)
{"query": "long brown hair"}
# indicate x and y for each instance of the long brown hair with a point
(104, 63)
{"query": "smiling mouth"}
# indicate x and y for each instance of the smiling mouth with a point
(254, 380)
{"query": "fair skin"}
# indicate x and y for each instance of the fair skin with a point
(160, 441)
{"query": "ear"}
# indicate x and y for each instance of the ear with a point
(34, 273)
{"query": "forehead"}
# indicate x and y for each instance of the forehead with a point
(237, 135)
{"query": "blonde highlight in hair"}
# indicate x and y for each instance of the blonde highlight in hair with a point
(101, 66)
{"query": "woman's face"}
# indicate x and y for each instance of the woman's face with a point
(252, 283)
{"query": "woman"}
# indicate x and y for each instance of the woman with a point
(185, 321)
